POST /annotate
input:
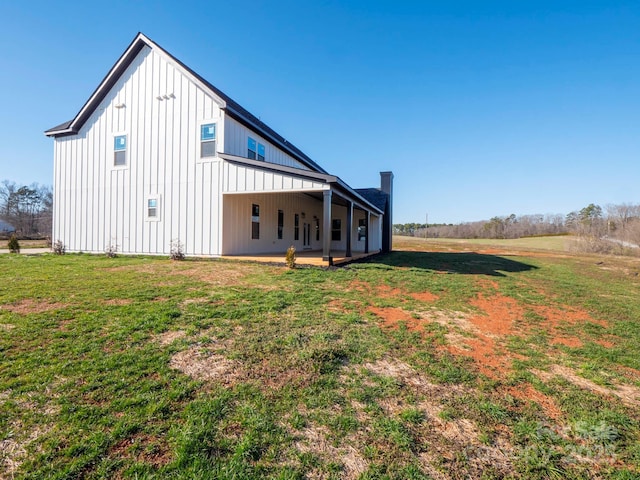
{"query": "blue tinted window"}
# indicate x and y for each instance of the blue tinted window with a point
(251, 148)
(208, 132)
(120, 143)
(260, 152)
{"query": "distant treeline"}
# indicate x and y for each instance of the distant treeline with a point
(25, 209)
(615, 225)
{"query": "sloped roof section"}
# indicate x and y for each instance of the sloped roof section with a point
(233, 108)
(374, 196)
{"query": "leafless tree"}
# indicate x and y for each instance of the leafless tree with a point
(27, 208)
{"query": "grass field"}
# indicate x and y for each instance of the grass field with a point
(464, 361)
(25, 244)
(560, 243)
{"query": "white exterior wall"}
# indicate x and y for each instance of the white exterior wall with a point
(375, 242)
(241, 179)
(375, 232)
(237, 216)
(98, 204)
(236, 137)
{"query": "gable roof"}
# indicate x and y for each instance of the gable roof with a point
(233, 108)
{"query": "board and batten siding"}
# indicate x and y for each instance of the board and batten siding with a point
(237, 135)
(237, 212)
(97, 204)
(242, 179)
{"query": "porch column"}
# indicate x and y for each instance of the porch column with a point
(349, 227)
(326, 227)
(366, 236)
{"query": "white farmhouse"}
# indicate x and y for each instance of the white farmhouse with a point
(158, 154)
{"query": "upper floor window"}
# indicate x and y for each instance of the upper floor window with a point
(120, 150)
(251, 149)
(255, 150)
(208, 140)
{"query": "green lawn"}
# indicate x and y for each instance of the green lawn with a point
(413, 365)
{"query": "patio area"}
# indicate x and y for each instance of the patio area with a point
(304, 257)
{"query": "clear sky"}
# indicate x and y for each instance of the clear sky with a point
(480, 108)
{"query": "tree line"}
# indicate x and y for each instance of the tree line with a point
(27, 208)
(617, 224)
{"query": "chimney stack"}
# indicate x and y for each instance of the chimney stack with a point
(386, 185)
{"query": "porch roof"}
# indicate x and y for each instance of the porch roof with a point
(291, 179)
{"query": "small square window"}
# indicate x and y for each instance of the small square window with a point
(208, 140)
(152, 207)
(251, 148)
(208, 132)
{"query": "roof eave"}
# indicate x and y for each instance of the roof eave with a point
(249, 123)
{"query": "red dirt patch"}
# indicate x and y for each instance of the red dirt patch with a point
(570, 342)
(556, 316)
(500, 313)
(385, 291)
(424, 296)
(392, 317)
(488, 357)
(526, 392)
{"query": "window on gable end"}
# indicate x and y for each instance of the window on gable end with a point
(208, 140)
(120, 150)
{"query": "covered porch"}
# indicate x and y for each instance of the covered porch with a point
(268, 207)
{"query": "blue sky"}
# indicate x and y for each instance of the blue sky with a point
(480, 108)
